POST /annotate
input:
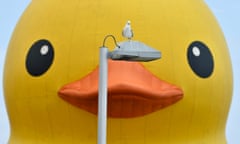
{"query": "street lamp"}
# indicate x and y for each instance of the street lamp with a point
(127, 51)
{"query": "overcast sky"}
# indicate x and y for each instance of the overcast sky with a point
(226, 11)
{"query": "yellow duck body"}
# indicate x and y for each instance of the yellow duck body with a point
(75, 29)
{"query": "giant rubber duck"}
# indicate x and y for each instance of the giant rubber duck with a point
(51, 74)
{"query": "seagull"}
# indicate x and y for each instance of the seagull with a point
(127, 31)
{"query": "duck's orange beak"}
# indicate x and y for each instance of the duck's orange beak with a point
(132, 91)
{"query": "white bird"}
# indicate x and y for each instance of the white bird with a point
(127, 31)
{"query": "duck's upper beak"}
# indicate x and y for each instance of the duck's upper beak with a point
(132, 91)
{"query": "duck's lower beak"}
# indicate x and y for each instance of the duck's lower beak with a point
(132, 91)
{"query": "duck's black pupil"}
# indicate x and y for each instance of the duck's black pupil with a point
(200, 59)
(39, 58)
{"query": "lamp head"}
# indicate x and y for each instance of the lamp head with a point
(134, 51)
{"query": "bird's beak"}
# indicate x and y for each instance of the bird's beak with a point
(132, 91)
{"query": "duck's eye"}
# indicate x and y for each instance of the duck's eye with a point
(200, 59)
(39, 58)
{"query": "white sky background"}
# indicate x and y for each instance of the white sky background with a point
(226, 11)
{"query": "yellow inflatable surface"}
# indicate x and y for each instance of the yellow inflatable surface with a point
(182, 98)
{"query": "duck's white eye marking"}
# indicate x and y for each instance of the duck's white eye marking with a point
(196, 51)
(44, 50)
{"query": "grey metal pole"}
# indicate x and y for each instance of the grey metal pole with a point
(102, 96)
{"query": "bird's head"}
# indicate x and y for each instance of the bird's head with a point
(56, 44)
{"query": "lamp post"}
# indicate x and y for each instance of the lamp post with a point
(127, 51)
